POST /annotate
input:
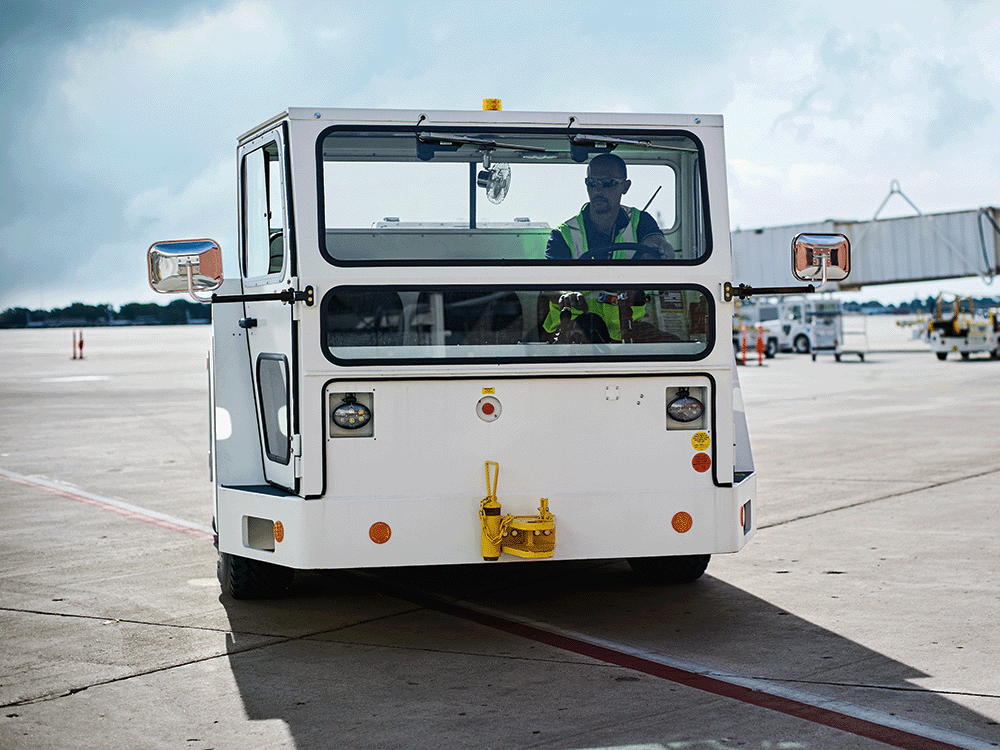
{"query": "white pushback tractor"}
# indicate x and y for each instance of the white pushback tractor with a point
(398, 377)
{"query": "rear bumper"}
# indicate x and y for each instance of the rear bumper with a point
(329, 533)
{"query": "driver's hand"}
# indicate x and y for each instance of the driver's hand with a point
(573, 300)
(659, 242)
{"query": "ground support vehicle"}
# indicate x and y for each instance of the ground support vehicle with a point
(854, 337)
(394, 331)
(833, 337)
(964, 333)
(796, 323)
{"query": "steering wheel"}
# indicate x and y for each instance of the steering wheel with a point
(639, 251)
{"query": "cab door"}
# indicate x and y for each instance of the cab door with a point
(268, 268)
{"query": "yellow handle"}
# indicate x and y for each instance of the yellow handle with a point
(492, 492)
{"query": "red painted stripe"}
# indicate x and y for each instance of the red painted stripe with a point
(136, 514)
(816, 714)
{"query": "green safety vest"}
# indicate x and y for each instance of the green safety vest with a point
(603, 304)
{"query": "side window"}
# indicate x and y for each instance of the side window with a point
(272, 382)
(263, 217)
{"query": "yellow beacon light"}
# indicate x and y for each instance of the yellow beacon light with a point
(491, 105)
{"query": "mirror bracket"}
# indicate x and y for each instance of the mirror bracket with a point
(288, 296)
(743, 291)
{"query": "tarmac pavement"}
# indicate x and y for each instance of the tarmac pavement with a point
(871, 585)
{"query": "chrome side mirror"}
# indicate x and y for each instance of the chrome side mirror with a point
(185, 266)
(821, 257)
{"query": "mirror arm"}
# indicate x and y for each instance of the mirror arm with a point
(195, 297)
(288, 296)
(743, 291)
(824, 262)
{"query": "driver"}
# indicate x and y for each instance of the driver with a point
(601, 223)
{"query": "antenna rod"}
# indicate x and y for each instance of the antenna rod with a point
(651, 199)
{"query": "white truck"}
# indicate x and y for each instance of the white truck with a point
(395, 333)
(793, 324)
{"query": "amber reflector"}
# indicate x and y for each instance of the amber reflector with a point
(380, 532)
(681, 522)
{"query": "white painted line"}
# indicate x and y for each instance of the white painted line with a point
(828, 707)
(119, 506)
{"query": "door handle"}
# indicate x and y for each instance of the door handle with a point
(248, 322)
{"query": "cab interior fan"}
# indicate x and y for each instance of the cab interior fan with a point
(495, 179)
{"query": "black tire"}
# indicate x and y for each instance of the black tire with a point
(801, 344)
(243, 578)
(942, 355)
(965, 355)
(771, 348)
(674, 569)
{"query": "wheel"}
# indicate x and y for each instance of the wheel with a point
(674, 569)
(861, 357)
(942, 355)
(639, 252)
(243, 578)
(771, 348)
(965, 355)
(801, 344)
(836, 357)
(814, 356)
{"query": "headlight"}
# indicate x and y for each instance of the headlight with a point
(685, 408)
(351, 415)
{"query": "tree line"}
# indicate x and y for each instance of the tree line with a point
(177, 312)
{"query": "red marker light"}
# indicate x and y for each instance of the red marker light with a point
(488, 408)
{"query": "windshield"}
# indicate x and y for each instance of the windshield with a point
(476, 197)
(410, 324)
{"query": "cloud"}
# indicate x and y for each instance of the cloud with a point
(124, 116)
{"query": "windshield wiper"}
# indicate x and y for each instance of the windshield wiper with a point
(594, 140)
(451, 138)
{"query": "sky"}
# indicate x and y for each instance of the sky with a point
(123, 116)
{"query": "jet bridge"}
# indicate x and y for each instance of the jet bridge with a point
(923, 247)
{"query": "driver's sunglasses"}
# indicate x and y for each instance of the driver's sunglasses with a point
(611, 182)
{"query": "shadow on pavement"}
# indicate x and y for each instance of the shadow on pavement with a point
(352, 664)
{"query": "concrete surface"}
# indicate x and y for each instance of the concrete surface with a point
(873, 581)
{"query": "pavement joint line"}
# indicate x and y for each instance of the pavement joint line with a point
(890, 688)
(163, 520)
(486, 654)
(104, 618)
(897, 731)
(890, 496)
(47, 697)
(271, 640)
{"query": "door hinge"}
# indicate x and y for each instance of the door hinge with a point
(296, 447)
